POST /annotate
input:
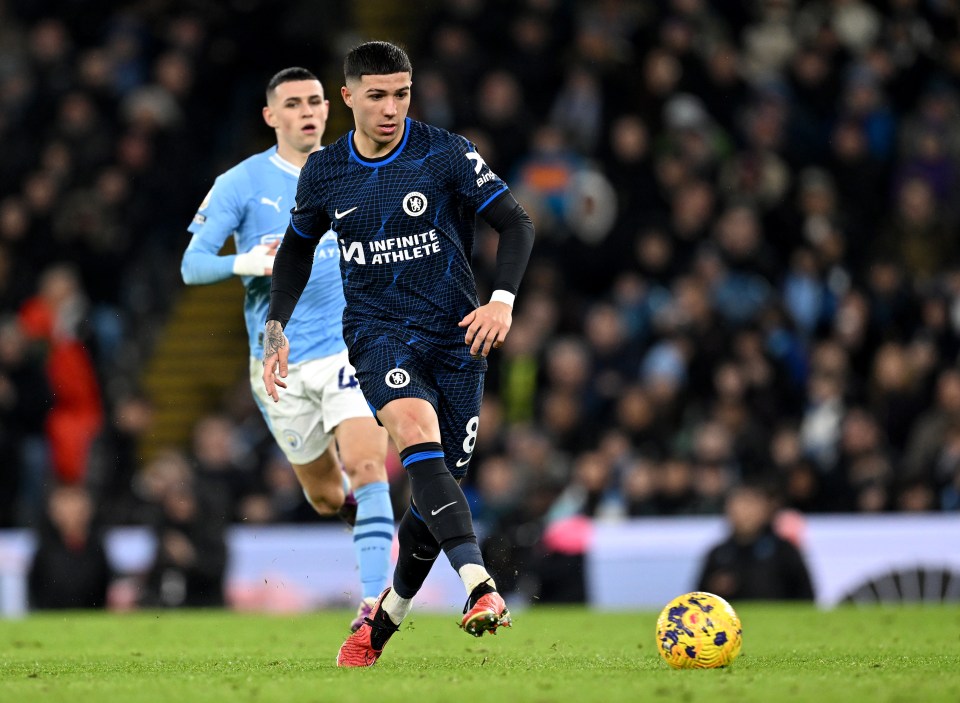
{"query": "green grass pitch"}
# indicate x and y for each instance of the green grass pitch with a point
(790, 653)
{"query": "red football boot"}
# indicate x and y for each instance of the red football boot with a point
(358, 649)
(487, 614)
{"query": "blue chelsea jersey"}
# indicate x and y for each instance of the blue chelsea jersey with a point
(252, 203)
(405, 225)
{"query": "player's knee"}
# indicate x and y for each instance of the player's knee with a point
(364, 471)
(407, 434)
(326, 500)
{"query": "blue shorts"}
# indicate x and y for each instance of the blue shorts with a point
(447, 377)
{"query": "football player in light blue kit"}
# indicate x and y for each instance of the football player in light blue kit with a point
(324, 419)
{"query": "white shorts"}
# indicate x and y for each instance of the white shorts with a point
(320, 394)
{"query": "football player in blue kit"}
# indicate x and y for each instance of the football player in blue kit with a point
(402, 198)
(324, 420)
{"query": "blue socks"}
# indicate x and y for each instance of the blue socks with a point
(373, 536)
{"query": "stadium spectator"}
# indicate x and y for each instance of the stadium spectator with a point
(592, 490)
(223, 465)
(190, 560)
(25, 400)
(52, 317)
(114, 461)
(930, 432)
(754, 563)
(918, 235)
(70, 567)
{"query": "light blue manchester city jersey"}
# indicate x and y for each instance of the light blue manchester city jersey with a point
(252, 203)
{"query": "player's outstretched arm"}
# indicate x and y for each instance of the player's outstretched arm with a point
(200, 265)
(221, 214)
(276, 353)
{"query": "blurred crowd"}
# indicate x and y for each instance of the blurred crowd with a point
(746, 267)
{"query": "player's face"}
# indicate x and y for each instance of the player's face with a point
(380, 105)
(298, 112)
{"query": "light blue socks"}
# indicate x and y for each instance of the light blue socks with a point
(373, 536)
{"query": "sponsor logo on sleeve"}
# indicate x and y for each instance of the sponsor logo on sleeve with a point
(206, 200)
(478, 165)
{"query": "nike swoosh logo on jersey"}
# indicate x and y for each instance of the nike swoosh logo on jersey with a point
(337, 214)
(417, 556)
(463, 462)
(442, 507)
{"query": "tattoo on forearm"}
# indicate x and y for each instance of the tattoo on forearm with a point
(274, 340)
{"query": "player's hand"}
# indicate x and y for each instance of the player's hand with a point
(258, 261)
(276, 352)
(487, 327)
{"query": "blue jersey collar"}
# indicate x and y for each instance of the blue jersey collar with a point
(375, 163)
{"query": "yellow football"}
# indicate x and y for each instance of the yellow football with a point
(698, 631)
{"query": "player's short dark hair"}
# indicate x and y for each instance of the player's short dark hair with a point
(376, 58)
(294, 73)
